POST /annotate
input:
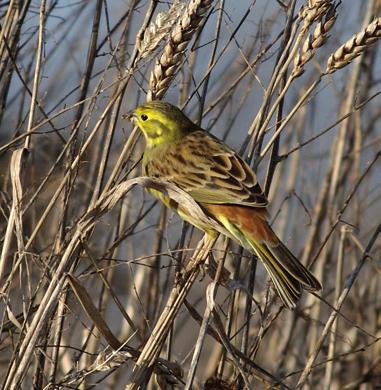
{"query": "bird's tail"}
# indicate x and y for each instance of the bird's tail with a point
(249, 226)
(287, 273)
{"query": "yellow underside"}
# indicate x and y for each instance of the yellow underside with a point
(170, 203)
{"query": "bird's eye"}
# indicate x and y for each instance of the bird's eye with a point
(144, 117)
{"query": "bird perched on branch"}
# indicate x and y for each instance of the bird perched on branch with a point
(225, 187)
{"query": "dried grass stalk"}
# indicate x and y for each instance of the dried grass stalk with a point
(355, 46)
(83, 229)
(173, 52)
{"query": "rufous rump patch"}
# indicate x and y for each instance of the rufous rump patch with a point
(250, 220)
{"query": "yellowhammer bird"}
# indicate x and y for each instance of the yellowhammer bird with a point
(223, 185)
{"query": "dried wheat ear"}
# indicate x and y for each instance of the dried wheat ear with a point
(315, 40)
(354, 46)
(173, 52)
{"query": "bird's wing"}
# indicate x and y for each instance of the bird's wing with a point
(208, 170)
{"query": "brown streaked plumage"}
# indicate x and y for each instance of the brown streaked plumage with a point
(202, 165)
(223, 185)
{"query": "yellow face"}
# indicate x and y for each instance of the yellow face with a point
(161, 122)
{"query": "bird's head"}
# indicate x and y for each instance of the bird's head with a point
(161, 122)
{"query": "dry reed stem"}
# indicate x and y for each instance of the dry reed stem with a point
(211, 292)
(9, 35)
(83, 228)
(17, 169)
(173, 52)
(342, 57)
(338, 286)
(218, 333)
(107, 360)
(153, 346)
(355, 46)
(344, 293)
(308, 14)
(19, 158)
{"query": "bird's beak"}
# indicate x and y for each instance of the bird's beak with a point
(129, 116)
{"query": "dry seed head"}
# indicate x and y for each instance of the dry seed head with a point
(167, 64)
(314, 41)
(159, 28)
(354, 46)
(314, 11)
